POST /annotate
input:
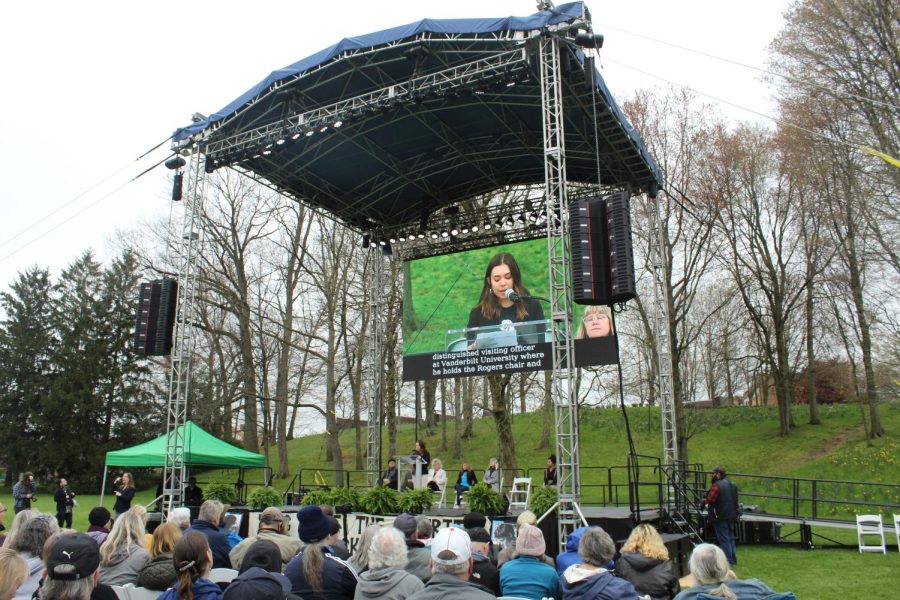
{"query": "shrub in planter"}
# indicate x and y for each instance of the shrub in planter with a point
(225, 493)
(380, 501)
(316, 497)
(416, 501)
(345, 496)
(542, 498)
(264, 497)
(484, 499)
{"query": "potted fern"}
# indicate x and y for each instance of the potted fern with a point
(380, 500)
(416, 502)
(484, 499)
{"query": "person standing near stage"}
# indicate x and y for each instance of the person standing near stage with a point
(23, 492)
(722, 506)
(123, 488)
(65, 502)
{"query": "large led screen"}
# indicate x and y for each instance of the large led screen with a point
(485, 311)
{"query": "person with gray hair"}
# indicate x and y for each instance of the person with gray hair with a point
(181, 516)
(451, 568)
(207, 523)
(73, 570)
(360, 559)
(386, 578)
(28, 542)
(713, 577)
(424, 529)
(590, 580)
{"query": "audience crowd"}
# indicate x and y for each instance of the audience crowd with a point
(401, 560)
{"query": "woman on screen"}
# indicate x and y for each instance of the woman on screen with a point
(495, 306)
(596, 322)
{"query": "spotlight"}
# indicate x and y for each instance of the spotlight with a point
(474, 228)
(296, 135)
(445, 233)
(337, 124)
(487, 225)
(392, 240)
(309, 132)
(465, 229)
(589, 40)
(421, 235)
(454, 231)
(434, 235)
(381, 242)
(280, 141)
(323, 129)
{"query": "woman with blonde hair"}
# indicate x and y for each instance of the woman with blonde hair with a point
(19, 521)
(193, 562)
(28, 541)
(595, 322)
(123, 554)
(645, 563)
(159, 573)
(437, 476)
(13, 573)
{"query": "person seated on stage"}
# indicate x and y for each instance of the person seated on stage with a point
(390, 476)
(713, 577)
(589, 580)
(492, 474)
(193, 495)
(409, 478)
(464, 482)
(550, 471)
(644, 561)
(416, 551)
(437, 477)
(527, 576)
(386, 578)
(595, 322)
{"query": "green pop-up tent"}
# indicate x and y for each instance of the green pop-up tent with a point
(200, 450)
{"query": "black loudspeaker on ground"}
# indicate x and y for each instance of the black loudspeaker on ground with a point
(602, 252)
(155, 317)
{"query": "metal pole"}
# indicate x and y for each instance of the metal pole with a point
(376, 351)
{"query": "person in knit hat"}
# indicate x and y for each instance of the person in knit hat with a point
(315, 573)
(527, 575)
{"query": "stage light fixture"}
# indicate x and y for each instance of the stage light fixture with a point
(421, 235)
(392, 239)
(487, 225)
(310, 132)
(323, 129)
(296, 136)
(465, 229)
(337, 124)
(266, 152)
(280, 141)
(445, 233)
(589, 40)
(454, 231)
(434, 235)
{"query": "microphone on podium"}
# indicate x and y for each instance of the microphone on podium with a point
(512, 295)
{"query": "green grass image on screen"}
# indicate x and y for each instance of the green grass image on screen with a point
(444, 289)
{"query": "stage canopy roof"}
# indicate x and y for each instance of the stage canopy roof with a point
(384, 128)
(200, 449)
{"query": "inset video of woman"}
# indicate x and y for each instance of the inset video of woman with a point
(595, 322)
(503, 281)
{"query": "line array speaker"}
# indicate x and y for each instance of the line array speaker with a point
(155, 318)
(602, 253)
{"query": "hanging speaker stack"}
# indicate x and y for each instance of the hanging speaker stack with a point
(602, 253)
(155, 318)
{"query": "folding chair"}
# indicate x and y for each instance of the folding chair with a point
(442, 503)
(222, 575)
(870, 526)
(520, 493)
(140, 593)
(897, 529)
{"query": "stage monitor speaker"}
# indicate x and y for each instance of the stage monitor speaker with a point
(590, 281)
(620, 252)
(145, 321)
(165, 322)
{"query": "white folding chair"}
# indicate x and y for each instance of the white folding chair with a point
(520, 493)
(222, 575)
(442, 503)
(868, 526)
(140, 593)
(897, 529)
(121, 592)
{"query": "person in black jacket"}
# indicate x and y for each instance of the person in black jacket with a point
(722, 504)
(123, 488)
(390, 476)
(645, 563)
(65, 502)
(464, 481)
(193, 494)
(502, 278)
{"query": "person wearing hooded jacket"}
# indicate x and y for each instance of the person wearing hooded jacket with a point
(645, 563)
(570, 557)
(527, 576)
(386, 578)
(589, 580)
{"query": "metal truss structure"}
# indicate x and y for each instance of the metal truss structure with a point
(187, 254)
(663, 339)
(376, 355)
(563, 392)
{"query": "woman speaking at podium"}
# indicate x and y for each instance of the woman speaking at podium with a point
(504, 301)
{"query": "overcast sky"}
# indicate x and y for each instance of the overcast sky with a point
(91, 86)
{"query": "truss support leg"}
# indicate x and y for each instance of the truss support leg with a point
(664, 351)
(376, 351)
(187, 257)
(563, 391)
